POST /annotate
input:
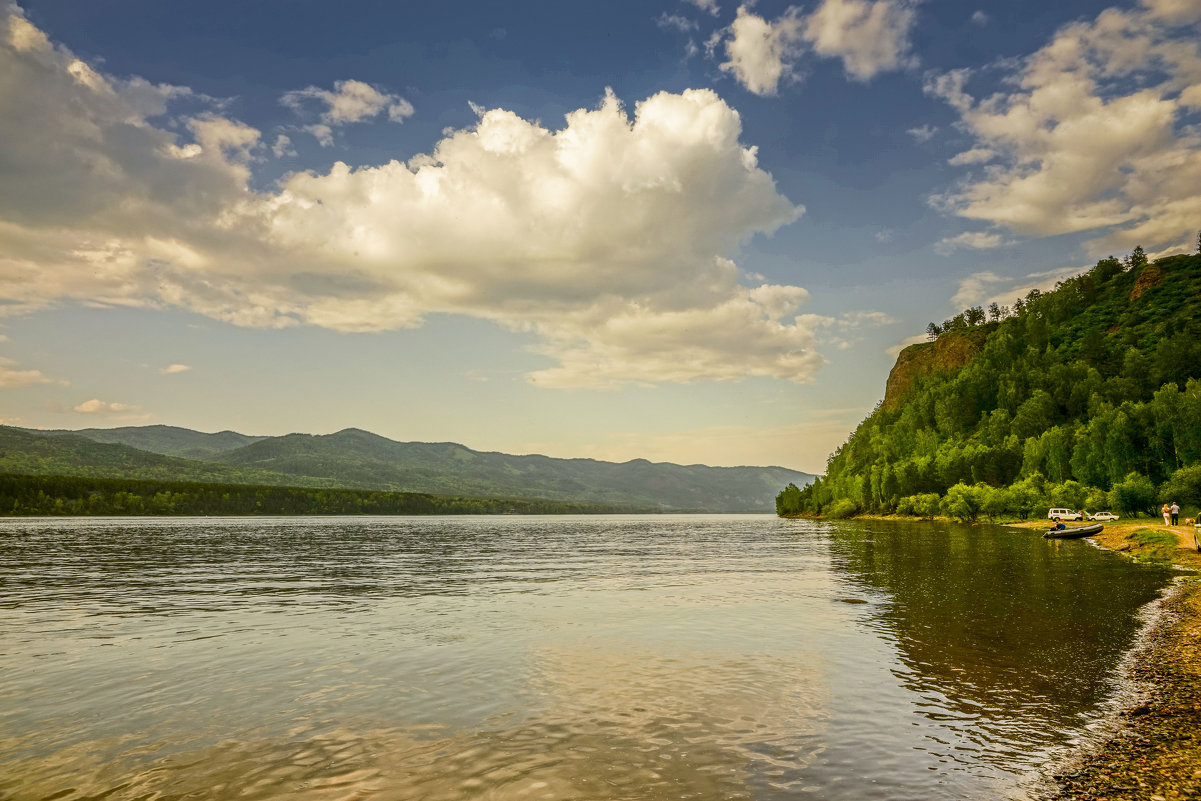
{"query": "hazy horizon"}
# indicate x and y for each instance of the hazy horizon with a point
(402, 442)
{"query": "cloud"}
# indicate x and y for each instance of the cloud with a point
(983, 288)
(869, 37)
(916, 339)
(283, 147)
(923, 134)
(11, 377)
(172, 369)
(975, 288)
(115, 411)
(610, 240)
(708, 6)
(980, 18)
(854, 319)
(975, 240)
(843, 329)
(757, 332)
(760, 53)
(676, 22)
(1094, 132)
(350, 102)
(977, 155)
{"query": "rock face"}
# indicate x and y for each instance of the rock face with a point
(951, 350)
(1149, 277)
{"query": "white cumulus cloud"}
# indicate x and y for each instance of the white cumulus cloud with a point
(116, 411)
(610, 239)
(869, 37)
(975, 288)
(350, 101)
(1094, 132)
(173, 369)
(759, 53)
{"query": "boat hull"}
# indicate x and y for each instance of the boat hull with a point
(1073, 532)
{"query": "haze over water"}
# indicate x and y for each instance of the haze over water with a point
(703, 657)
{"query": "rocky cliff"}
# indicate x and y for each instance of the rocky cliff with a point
(951, 350)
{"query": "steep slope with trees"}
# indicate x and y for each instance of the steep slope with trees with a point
(1088, 396)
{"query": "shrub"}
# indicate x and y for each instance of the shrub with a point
(842, 509)
(963, 502)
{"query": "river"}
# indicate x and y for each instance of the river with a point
(614, 657)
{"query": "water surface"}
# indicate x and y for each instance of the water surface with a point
(625, 657)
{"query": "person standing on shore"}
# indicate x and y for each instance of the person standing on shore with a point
(1167, 514)
(1175, 513)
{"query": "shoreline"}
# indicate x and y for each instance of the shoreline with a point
(1151, 749)
(1152, 752)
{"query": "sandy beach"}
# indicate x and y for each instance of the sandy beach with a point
(1156, 753)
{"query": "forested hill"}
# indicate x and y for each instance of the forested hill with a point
(1088, 396)
(355, 459)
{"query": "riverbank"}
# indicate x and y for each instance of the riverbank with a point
(1155, 754)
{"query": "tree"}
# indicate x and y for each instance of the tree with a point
(994, 312)
(933, 330)
(1107, 268)
(1137, 258)
(974, 315)
(1133, 494)
(788, 502)
(1184, 486)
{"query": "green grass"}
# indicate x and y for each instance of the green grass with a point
(1153, 545)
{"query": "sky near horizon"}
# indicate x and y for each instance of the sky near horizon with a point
(683, 230)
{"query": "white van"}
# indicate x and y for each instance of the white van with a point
(1062, 514)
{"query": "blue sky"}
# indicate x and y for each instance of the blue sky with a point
(690, 231)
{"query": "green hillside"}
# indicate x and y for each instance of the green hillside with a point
(167, 440)
(26, 452)
(355, 459)
(1088, 396)
(360, 458)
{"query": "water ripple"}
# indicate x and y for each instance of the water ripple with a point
(704, 657)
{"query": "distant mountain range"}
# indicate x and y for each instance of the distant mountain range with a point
(359, 459)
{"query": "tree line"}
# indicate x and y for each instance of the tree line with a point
(1088, 396)
(26, 495)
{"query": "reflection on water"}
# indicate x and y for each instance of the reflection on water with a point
(705, 657)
